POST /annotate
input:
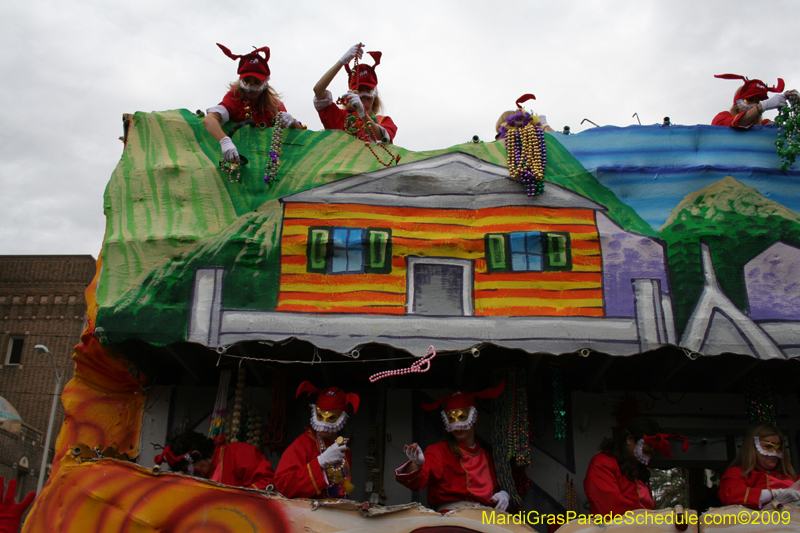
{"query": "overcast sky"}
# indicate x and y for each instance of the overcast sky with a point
(69, 70)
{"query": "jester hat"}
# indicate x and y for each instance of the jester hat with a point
(364, 74)
(752, 89)
(462, 399)
(251, 64)
(166, 456)
(660, 442)
(330, 399)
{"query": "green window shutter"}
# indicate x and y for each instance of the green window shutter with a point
(317, 250)
(496, 245)
(558, 253)
(379, 251)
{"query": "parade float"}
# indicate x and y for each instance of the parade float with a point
(620, 271)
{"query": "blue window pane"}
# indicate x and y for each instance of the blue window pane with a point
(517, 242)
(355, 250)
(534, 242)
(348, 250)
(526, 251)
(518, 262)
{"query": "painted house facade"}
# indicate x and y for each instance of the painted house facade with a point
(417, 239)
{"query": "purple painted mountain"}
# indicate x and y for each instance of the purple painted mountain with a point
(628, 256)
(773, 283)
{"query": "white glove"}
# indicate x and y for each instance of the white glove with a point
(502, 500)
(773, 102)
(354, 51)
(333, 455)
(414, 453)
(543, 121)
(783, 495)
(229, 151)
(355, 102)
(286, 119)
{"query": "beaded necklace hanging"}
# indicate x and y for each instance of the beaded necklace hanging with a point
(220, 412)
(274, 434)
(236, 419)
(527, 153)
(760, 401)
(275, 151)
(559, 410)
(788, 122)
(354, 125)
(339, 486)
(511, 435)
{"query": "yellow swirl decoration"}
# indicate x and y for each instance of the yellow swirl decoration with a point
(114, 496)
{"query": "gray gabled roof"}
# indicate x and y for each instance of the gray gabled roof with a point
(451, 181)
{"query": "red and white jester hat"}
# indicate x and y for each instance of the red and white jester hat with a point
(462, 399)
(330, 399)
(752, 89)
(251, 64)
(365, 74)
(660, 442)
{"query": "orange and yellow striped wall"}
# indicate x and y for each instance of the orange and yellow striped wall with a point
(448, 233)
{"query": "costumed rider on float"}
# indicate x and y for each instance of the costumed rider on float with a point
(360, 115)
(456, 470)
(249, 98)
(750, 101)
(237, 464)
(317, 464)
(617, 479)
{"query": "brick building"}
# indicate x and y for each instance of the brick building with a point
(41, 302)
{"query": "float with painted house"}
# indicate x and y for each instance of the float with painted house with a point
(655, 275)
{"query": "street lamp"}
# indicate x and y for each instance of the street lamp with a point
(41, 349)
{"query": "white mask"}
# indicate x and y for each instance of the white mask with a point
(639, 453)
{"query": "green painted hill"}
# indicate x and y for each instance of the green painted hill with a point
(738, 223)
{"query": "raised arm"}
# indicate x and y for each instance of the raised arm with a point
(327, 78)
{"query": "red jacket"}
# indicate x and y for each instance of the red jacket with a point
(609, 491)
(737, 490)
(470, 477)
(239, 464)
(727, 119)
(332, 117)
(234, 103)
(299, 474)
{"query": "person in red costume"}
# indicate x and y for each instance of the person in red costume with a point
(750, 101)
(457, 471)
(10, 512)
(251, 97)
(362, 102)
(237, 464)
(617, 478)
(317, 464)
(762, 472)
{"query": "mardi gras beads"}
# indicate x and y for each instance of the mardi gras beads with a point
(526, 149)
(788, 122)
(760, 401)
(233, 170)
(559, 411)
(275, 151)
(354, 125)
(236, 419)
